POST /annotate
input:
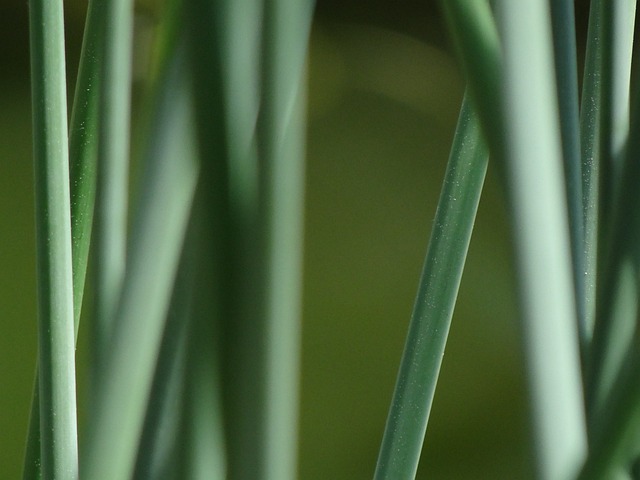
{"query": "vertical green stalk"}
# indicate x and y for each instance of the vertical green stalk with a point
(590, 153)
(281, 155)
(534, 173)
(83, 148)
(435, 301)
(82, 157)
(566, 68)
(113, 163)
(57, 392)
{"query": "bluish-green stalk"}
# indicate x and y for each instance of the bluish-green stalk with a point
(82, 157)
(56, 339)
(435, 301)
(533, 165)
(566, 68)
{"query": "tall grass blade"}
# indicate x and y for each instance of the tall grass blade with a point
(56, 340)
(435, 301)
(566, 67)
(159, 224)
(538, 205)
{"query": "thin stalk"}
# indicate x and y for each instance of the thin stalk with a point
(83, 148)
(610, 339)
(281, 155)
(533, 165)
(475, 35)
(82, 157)
(434, 306)
(113, 163)
(566, 67)
(57, 392)
(590, 153)
(158, 228)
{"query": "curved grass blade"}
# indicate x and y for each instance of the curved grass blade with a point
(56, 339)
(435, 301)
(539, 214)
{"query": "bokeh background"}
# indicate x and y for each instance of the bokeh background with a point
(384, 91)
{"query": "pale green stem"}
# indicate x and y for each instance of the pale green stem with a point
(538, 204)
(435, 301)
(56, 339)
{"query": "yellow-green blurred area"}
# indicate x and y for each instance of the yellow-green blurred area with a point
(384, 92)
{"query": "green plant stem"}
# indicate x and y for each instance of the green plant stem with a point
(538, 208)
(566, 68)
(590, 153)
(159, 224)
(83, 148)
(433, 310)
(474, 32)
(82, 158)
(110, 222)
(611, 339)
(58, 423)
(281, 130)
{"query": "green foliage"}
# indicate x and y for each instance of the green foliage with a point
(195, 282)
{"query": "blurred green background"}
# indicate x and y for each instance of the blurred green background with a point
(384, 92)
